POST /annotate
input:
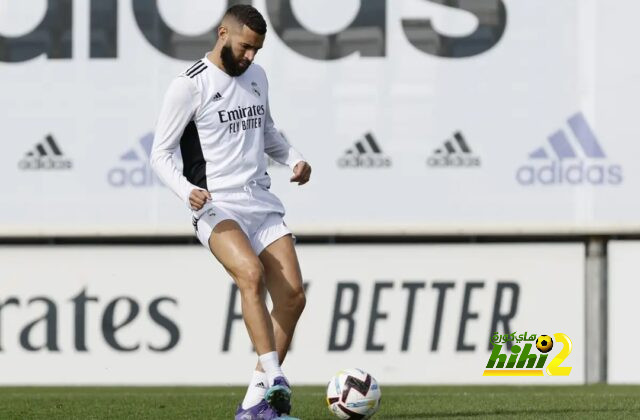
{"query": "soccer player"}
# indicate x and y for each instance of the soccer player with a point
(217, 112)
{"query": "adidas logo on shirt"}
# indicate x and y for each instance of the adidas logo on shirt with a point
(454, 152)
(567, 162)
(45, 155)
(217, 97)
(365, 154)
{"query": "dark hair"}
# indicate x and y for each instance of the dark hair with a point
(248, 15)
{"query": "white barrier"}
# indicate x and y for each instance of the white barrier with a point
(623, 311)
(410, 314)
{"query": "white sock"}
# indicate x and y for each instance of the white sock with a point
(256, 390)
(271, 366)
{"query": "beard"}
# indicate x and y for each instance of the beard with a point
(231, 65)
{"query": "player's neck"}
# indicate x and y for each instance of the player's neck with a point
(214, 57)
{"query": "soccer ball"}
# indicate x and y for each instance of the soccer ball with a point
(544, 343)
(353, 394)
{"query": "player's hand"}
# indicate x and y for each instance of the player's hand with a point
(301, 173)
(197, 198)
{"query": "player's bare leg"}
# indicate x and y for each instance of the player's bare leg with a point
(284, 283)
(231, 247)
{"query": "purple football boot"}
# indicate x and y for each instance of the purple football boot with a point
(260, 411)
(279, 395)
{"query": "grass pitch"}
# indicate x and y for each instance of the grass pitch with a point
(415, 402)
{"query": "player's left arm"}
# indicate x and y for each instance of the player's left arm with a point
(279, 149)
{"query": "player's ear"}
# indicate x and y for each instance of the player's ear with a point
(223, 33)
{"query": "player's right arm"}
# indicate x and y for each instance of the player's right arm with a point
(179, 106)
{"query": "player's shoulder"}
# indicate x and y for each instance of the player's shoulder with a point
(194, 76)
(195, 70)
(256, 70)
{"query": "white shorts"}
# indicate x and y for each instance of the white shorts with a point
(258, 212)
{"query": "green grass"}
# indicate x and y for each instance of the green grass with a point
(600, 401)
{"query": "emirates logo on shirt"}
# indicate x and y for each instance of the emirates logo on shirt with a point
(240, 113)
(242, 119)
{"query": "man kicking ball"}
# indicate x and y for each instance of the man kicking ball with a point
(217, 112)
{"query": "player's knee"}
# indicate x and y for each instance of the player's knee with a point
(251, 279)
(299, 302)
(293, 303)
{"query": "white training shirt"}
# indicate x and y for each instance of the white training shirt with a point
(223, 127)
